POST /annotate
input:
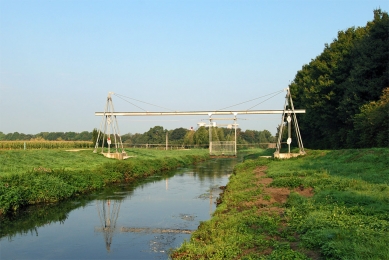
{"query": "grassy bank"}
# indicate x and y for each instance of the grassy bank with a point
(326, 205)
(36, 176)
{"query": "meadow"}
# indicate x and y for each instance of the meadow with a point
(325, 205)
(51, 175)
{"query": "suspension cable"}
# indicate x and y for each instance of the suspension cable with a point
(266, 99)
(277, 92)
(122, 97)
(130, 103)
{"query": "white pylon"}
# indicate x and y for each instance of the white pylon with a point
(290, 115)
(109, 126)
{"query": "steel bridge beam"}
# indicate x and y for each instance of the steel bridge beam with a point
(200, 113)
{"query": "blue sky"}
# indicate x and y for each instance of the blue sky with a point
(59, 59)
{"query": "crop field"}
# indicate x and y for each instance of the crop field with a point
(8, 145)
(325, 205)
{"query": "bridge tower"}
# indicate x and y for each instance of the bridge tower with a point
(289, 115)
(109, 128)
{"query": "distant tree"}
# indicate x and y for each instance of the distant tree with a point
(69, 136)
(178, 134)
(127, 138)
(189, 138)
(51, 136)
(220, 134)
(84, 136)
(266, 137)
(95, 134)
(155, 135)
(201, 137)
(248, 136)
(14, 136)
(228, 134)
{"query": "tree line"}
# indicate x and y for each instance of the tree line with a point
(156, 135)
(47, 136)
(199, 137)
(345, 90)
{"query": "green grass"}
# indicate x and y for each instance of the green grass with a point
(371, 165)
(346, 218)
(21, 161)
(40, 176)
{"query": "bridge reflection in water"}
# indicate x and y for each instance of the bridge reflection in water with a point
(108, 212)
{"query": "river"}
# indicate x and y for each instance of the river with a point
(141, 220)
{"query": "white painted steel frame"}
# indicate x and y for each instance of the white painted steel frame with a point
(109, 114)
(200, 113)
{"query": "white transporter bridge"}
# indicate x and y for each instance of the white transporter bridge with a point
(109, 128)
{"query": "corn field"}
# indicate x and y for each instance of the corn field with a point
(14, 145)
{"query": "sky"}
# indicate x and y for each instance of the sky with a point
(59, 59)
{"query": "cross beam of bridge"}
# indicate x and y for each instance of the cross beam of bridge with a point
(199, 113)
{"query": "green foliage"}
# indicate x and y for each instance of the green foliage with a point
(95, 134)
(253, 136)
(371, 125)
(178, 134)
(156, 135)
(351, 72)
(189, 138)
(201, 136)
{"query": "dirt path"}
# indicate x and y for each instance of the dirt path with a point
(272, 202)
(272, 198)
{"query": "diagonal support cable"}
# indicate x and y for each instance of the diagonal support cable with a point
(266, 99)
(122, 97)
(277, 92)
(130, 103)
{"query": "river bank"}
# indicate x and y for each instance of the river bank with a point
(328, 204)
(47, 176)
(135, 220)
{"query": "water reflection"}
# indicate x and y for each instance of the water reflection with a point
(108, 211)
(29, 220)
(142, 220)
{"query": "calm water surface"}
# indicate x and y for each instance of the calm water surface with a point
(137, 221)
